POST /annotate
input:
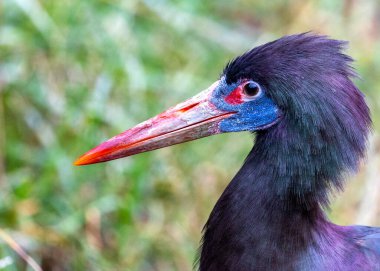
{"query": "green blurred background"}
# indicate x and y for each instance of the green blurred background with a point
(73, 73)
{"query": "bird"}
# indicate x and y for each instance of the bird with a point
(311, 123)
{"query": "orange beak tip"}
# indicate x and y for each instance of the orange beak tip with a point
(83, 160)
(78, 162)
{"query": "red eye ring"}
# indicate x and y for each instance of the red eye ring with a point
(246, 91)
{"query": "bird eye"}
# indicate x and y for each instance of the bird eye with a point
(252, 90)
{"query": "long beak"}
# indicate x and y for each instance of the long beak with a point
(192, 119)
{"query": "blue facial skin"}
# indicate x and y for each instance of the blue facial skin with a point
(260, 113)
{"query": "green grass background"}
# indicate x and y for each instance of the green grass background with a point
(74, 73)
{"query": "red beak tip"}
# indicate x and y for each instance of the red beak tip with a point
(82, 161)
(78, 162)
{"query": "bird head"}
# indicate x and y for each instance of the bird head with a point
(300, 80)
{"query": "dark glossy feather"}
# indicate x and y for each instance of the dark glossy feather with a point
(270, 217)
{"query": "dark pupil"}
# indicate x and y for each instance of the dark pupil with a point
(251, 89)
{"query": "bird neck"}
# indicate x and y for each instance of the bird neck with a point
(272, 211)
(255, 227)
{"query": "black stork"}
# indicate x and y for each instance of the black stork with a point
(311, 123)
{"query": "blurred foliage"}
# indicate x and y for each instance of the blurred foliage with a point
(73, 73)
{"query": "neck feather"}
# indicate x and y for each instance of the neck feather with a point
(255, 227)
(272, 211)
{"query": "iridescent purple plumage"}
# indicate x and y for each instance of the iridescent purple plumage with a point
(270, 217)
(312, 124)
